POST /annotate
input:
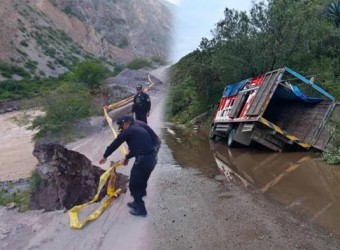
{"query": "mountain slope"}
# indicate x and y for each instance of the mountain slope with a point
(47, 37)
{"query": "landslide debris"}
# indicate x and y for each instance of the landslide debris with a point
(68, 178)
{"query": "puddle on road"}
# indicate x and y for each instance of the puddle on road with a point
(298, 180)
(191, 150)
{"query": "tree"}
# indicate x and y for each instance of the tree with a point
(291, 33)
(333, 11)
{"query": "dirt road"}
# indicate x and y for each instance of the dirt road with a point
(186, 211)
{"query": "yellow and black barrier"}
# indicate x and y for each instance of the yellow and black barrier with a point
(280, 131)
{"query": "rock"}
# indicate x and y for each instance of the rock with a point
(9, 106)
(68, 178)
(220, 178)
(10, 205)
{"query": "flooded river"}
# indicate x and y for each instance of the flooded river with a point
(299, 181)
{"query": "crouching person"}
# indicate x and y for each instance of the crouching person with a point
(143, 145)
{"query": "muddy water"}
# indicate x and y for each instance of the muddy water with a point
(299, 181)
(191, 149)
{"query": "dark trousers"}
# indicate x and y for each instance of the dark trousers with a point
(141, 116)
(139, 176)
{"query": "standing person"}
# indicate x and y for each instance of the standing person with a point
(141, 104)
(143, 145)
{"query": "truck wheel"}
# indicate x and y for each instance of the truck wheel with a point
(212, 135)
(231, 142)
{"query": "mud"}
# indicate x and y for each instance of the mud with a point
(298, 181)
(301, 182)
(190, 149)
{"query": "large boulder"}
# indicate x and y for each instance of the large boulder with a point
(68, 178)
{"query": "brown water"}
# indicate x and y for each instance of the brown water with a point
(300, 181)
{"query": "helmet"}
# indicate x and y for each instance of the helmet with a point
(139, 87)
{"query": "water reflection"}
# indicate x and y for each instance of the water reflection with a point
(191, 149)
(298, 180)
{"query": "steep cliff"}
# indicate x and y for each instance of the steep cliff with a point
(47, 37)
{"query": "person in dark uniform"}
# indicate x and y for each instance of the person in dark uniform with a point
(143, 145)
(141, 105)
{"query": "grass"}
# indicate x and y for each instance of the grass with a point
(35, 180)
(24, 43)
(139, 63)
(26, 88)
(7, 70)
(19, 198)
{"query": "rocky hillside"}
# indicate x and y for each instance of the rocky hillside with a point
(47, 37)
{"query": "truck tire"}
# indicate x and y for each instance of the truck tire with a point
(212, 135)
(231, 142)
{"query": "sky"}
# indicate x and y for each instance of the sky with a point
(194, 19)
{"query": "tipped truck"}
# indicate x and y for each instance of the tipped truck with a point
(274, 111)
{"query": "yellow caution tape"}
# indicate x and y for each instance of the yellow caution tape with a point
(130, 98)
(111, 192)
(109, 121)
(110, 177)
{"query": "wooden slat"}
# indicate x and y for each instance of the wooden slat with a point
(234, 112)
(262, 94)
(323, 140)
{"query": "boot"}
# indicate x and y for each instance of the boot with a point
(138, 212)
(132, 205)
(139, 209)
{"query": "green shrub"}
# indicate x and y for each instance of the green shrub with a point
(139, 63)
(49, 51)
(32, 65)
(159, 60)
(50, 65)
(24, 43)
(90, 73)
(19, 198)
(26, 88)
(117, 69)
(332, 155)
(183, 102)
(24, 54)
(68, 103)
(6, 74)
(23, 29)
(7, 70)
(35, 180)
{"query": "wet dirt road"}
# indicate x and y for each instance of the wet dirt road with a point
(299, 181)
